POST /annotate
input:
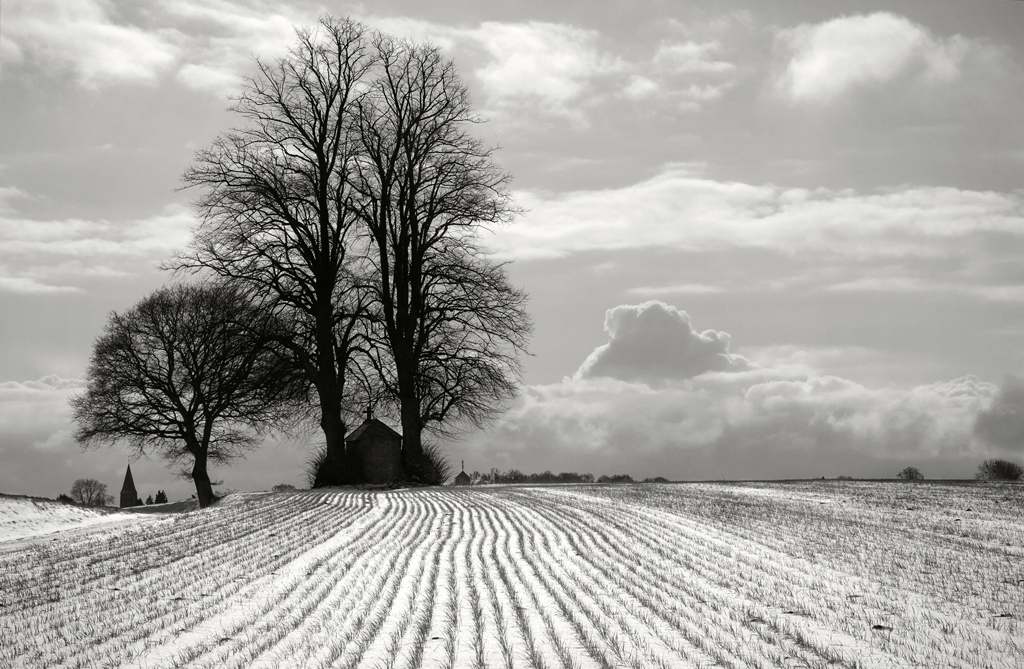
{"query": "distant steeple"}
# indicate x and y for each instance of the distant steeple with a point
(462, 478)
(129, 496)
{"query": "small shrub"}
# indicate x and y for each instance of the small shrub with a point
(149, 500)
(283, 487)
(910, 474)
(324, 470)
(435, 468)
(844, 478)
(65, 499)
(161, 497)
(999, 470)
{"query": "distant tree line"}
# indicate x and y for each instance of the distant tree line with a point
(161, 498)
(495, 475)
(516, 476)
(993, 469)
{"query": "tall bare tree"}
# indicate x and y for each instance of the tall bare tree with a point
(189, 374)
(276, 214)
(450, 325)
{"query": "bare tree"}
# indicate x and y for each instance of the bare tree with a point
(276, 215)
(90, 492)
(187, 373)
(449, 325)
(910, 474)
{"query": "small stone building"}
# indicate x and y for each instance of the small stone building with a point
(376, 450)
(129, 496)
(462, 478)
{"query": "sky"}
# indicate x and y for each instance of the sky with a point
(761, 240)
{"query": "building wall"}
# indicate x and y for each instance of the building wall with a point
(380, 458)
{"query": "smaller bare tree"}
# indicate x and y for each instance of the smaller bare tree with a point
(910, 474)
(90, 492)
(189, 373)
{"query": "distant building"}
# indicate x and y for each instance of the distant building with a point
(376, 450)
(462, 478)
(129, 496)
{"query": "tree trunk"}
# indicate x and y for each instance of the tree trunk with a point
(412, 444)
(333, 426)
(330, 386)
(204, 490)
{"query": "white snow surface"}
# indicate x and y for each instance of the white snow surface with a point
(759, 575)
(24, 517)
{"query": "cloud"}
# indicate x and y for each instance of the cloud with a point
(691, 57)
(895, 283)
(8, 193)
(827, 59)
(34, 254)
(541, 70)
(654, 342)
(676, 289)
(640, 87)
(83, 36)
(547, 64)
(1002, 425)
(204, 45)
(222, 39)
(26, 286)
(783, 418)
(29, 406)
(60, 440)
(908, 239)
(677, 209)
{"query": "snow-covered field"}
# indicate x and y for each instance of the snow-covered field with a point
(23, 517)
(829, 574)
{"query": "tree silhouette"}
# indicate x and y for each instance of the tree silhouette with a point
(276, 215)
(449, 325)
(90, 492)
(910, 474)
(349, 204)
(187, 373)
(999, 470)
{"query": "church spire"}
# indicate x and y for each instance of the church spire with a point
(129, 496)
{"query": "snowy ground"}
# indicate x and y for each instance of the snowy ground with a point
(829, 574)
(25, 517)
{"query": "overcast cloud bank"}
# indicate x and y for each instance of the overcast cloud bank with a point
(662, 397)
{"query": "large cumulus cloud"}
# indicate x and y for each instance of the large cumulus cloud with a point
(653, 342)
(663, 399)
